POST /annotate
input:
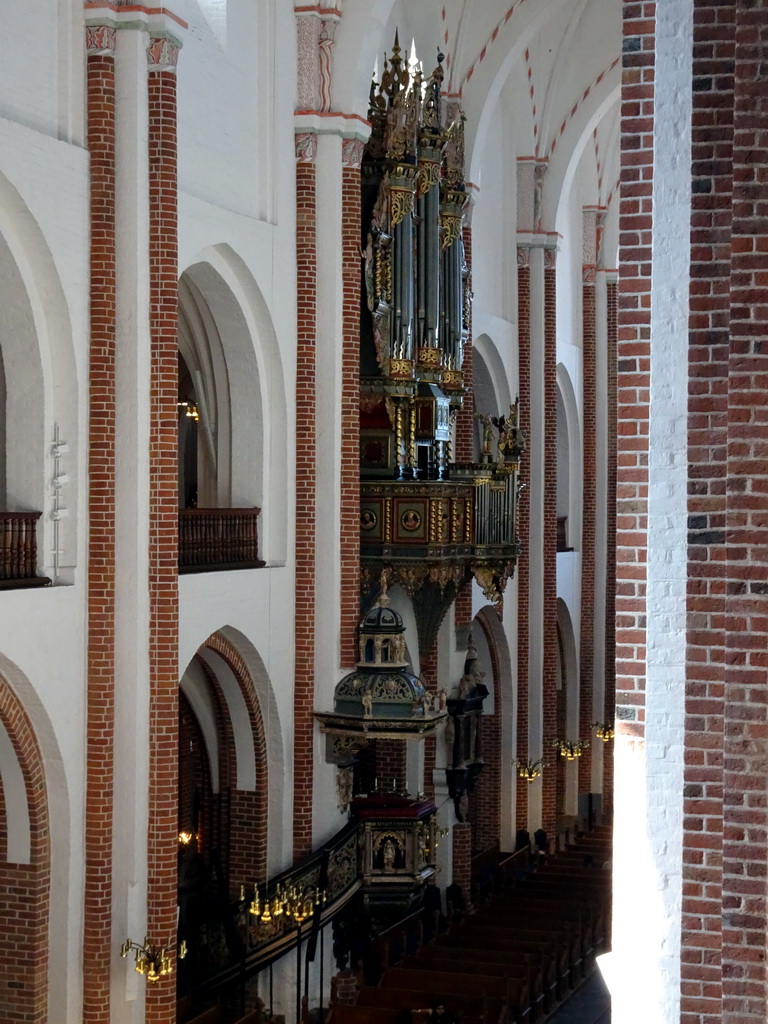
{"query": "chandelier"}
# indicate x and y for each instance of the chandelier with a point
(604, 731)
(150, 960)
(530, 770)
(294, 902)
(570, 749)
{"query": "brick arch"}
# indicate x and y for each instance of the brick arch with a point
(24, 887)
(249, 810)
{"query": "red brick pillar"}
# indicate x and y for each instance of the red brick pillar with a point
(711, 216)
(306, 483)
(549, 675)
(101, 135)
(163, 517)
(428, 674)
(352, 153)
(462, 857)
(485, 807)
(633, 382)
(589, 485)
(609, 711)
(524, 362)
(745, 747)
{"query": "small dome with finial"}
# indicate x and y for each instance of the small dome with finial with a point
(382, 686)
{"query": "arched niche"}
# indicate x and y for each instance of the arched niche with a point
(490, 638)
(39, 392)
(37, 922)
(490, 386)
(230, 350)
(569, 455)
(567, 707)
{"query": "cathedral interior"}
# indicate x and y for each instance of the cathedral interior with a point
(383, 511)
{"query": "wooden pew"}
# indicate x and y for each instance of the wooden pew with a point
(471, 1007)
(210, 1016)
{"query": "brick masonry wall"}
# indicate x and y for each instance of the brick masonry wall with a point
(390, 764)
(610, 533)
(485, 806)
(745, 794)
(711, 204)
(24, 888)
(97, 924)
(633, 342)
(589, 484)
(306, 470)
(523, 571)
(162, 836)
(248, 819)
(428, 675)
(549, 663)
(350, 417)
(462, 856)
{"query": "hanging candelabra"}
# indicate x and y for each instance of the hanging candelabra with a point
(604, 731)
(150, 960)
(570, 749)
(297, 903)
(530, 770)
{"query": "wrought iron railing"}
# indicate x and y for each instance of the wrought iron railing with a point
(246, 945)
(18, 550)
(212, 539)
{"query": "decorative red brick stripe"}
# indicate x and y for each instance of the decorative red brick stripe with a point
(634, 332)
(589, 483)
(745, 781)
(485, 806)
(428, 675)
(162, 841)
(306, 470)
(249, 811)
(712, 153)
(97, 922)
(25, 888)
(610, 555)
(350, 414)
(523, 565)
(549, 664)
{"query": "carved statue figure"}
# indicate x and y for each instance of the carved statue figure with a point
(442, 699)
(367, 701)
(486, 447)
(389, 851)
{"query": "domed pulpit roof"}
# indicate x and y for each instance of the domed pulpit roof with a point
(382, 696)
(382, 619)
(382, 692)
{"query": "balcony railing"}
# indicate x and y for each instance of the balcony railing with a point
(474, 515)
(218, 539)
(18, 550)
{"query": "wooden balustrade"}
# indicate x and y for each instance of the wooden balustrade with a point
(218, 539)
(18, 550)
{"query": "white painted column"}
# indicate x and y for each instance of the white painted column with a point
(132, 522)
(649, 777)
(601, 539)
(328, 555)
(535, 452)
